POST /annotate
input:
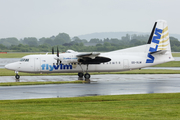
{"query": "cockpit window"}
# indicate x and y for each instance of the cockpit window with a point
(24, 60)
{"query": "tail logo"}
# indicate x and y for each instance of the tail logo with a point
(158, 40)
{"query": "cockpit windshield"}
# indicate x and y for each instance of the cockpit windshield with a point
(24, 60)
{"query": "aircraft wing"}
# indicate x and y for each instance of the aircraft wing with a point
(92, 58)
(90, 55)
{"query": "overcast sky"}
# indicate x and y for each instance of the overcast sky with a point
(44, 18)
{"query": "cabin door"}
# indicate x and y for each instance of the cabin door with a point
(37, 64)
(125, 63)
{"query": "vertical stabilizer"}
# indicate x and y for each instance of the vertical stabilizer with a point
(159, 38)
(159, 41)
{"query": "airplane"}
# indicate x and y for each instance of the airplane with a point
(156, 51)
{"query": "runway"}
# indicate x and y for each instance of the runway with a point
(108, 84)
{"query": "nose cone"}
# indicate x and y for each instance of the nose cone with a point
(7, 66)
(11, 66)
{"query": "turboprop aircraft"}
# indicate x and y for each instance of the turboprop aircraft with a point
(156, 51)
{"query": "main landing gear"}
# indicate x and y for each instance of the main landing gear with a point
(86, 75)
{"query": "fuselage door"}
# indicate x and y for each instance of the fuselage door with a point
(37, 64)
(125, 63)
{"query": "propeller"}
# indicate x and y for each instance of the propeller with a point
(57, 55)
(57, 52)
(52, 50)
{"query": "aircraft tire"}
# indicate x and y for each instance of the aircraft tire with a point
(87, 76)
(17, 76)
(80, 74)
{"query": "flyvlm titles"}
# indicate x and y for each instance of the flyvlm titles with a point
(55, 67)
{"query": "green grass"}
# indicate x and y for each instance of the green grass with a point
(17, 55)
(21, 54)
(176, 54)
(38, 83)
(116, 107)
(169, 64)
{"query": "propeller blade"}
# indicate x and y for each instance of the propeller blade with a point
(52, 50)
(57, 56)
(57, 52)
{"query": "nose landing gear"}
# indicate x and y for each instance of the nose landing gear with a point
(17, 76)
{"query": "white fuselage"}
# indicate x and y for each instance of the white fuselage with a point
(121, 60)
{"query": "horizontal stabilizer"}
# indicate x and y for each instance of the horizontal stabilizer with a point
(159, 52)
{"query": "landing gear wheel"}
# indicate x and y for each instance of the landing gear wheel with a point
(80, 74)
(87, 76)
(17, 76)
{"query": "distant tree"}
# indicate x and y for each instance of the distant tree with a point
(41, 41)
(135, 42)
(94, 40)
(97, 45)
(114, 41)
(9, 41)
(107, 44)
(126, 38)
(106, 40)
(31, 41)
(2, 47)
(62, 38)
(49, 41)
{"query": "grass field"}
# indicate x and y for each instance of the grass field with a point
(21, 54)
(17, 55)
(116, 107)
(176, 54)
(39, 83)
(169, 64)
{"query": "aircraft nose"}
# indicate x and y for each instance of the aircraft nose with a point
(10, 66)
(7, 66)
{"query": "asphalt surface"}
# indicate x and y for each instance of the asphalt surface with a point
(100, 85)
